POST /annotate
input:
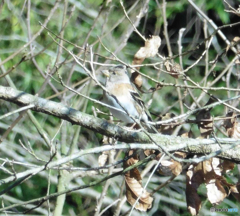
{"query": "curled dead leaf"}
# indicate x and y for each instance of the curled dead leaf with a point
(133, 190)
(194, 178)
(134, 187)
(171, 167)
(165, 167)
(136, 78)
(149, 50)
(173, 69)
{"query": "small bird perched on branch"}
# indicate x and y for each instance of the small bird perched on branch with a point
(122, 95)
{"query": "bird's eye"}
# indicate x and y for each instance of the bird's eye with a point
(114, 73)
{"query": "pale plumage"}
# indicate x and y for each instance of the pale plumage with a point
(123, 95)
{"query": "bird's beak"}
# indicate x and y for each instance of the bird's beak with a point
(106, 73)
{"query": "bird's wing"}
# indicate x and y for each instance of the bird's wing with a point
(140, 104)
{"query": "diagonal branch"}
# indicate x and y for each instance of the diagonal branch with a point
(100, 125)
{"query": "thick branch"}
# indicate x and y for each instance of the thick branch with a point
(99, 125)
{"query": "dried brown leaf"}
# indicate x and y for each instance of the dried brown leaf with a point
(149, 50)
(173, 69)
(134, 187)
(214, 180)
(176, 168)
(211, 168)
(148, 152)
(227, 166)
(136, 78)
(194, 178)
(180, 154)
(215, 191)
(210, 173)
(169, 167)
(165, 167)
(236, 42)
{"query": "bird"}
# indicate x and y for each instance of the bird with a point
(121, 94)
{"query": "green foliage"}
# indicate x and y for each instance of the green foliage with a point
(218, 7)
